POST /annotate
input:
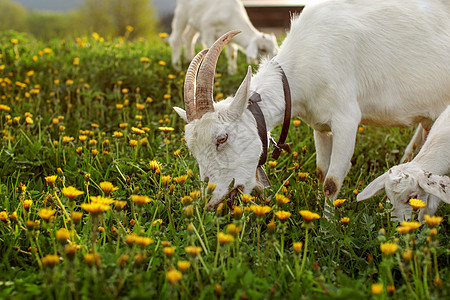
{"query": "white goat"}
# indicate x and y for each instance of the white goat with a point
(422, 178)
(212, 18)
(383, 63)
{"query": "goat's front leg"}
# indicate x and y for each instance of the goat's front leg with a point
(415, 144)
(344, 131)
(323, 142)
(190, 36)
(231, 52)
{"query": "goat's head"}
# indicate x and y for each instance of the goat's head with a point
(404, 182)
(221, 136)
(262, 45)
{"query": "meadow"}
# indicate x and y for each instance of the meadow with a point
(100, 198)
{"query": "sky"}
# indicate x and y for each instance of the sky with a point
(162, 6)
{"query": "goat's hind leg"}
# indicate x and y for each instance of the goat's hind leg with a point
(190, 37)
(416, 143)
(179, 23)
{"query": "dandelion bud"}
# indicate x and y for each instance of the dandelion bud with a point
(271, 226)
(76, 217)
(62, 235)
(183, 265)
(189, 210)
(217, 289)
(70, 251)
(297, 246)
(50, 260)
(438, 282)
(211, 187)
(27, 204)
(123, 260)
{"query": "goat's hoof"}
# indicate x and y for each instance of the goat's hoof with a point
(330, 187)
(319, 174)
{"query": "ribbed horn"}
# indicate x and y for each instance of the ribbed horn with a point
(189, 86)
(205, 81)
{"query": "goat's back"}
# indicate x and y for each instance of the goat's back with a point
(391, 56)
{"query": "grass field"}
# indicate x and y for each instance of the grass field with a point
(100, 198)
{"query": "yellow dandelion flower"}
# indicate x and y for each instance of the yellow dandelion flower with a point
(296, 123)
(145, 60)
(14, 41)
(137, 130)
(27, 204)
(129, 28)
(46, 213)
(143, 241)
(345, 220)
(338, 202)
(174, 276)
(51, 179)
(408, 254)
(29, 120)
(107, 187)
(260, 210)
(117, 134)
(193, 250)
(71, 192)
(183, 265)
(119, 205)
(50, 260)
(377, 288)
(47, 50)
(186, 200)
(303, 175)
(76, 216)
(133, 143)
(102, 200)
(62, 235)
(4, 107)
(388, 248)
(95, 208)
(273, 163)
(166, 129)
(163, 34)
(92, 259)
(297, 246)
(154, 165)
(180, 179)
(309, 216)
(3, 216)
(283, 215)
(157, 222)
(195, 194)
(140, 199)
(166, 179)
(169, 251)
(281, 199)
(76, 61)
(246, 198)
(433, 221)
(224, 238)
(406, 227)
(416, 203)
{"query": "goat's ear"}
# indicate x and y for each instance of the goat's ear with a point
(252, 50)
(373, 188)
(436, 185)
(240, 101)
(181, 112)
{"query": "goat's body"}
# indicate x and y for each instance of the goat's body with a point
(211, 19)
(383, 63)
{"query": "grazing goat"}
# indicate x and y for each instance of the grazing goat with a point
(422, 178)
(384, 63)
(211, 18)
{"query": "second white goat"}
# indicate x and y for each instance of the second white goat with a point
(212, 18)
(423, 178)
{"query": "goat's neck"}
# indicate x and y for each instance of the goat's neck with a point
(267, 82)
(249, 33)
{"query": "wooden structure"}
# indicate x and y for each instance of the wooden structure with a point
(273, 14)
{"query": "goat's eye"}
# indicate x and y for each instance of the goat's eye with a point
(222, 139)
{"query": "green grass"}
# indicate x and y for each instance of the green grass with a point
(101, 258)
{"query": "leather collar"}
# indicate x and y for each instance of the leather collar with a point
(261, 124)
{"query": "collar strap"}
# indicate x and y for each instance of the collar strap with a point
(261, 122)
(280, 145)
(254, 108)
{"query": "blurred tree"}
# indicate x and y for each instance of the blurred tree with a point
(48, 25)
(114, 17)
(12, 16)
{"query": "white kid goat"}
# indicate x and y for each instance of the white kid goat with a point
(384, 63)
(210, 19)
(422, 178)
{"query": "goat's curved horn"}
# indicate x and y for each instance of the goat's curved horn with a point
(205, 80)
(189, 86)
